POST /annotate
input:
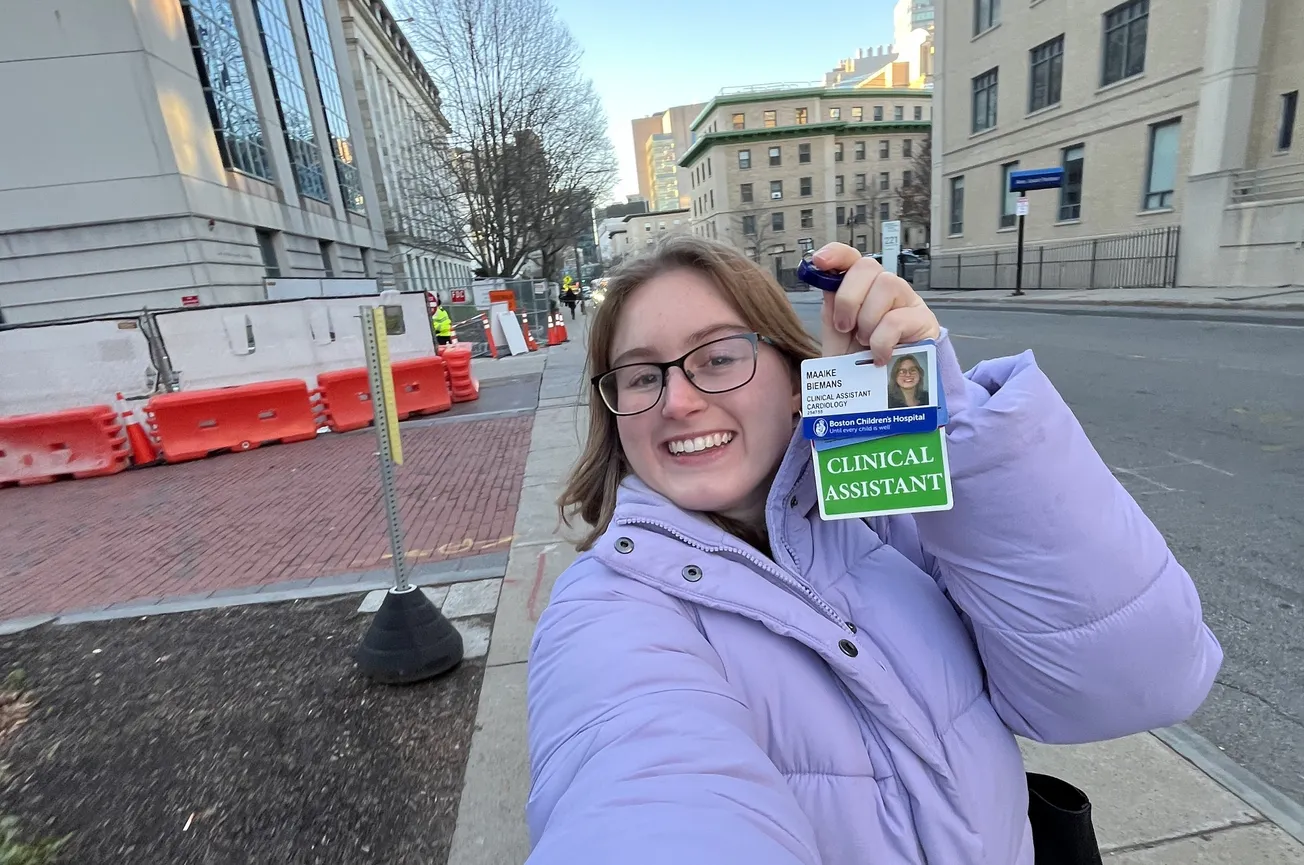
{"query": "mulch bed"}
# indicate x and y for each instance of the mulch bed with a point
(242, 735)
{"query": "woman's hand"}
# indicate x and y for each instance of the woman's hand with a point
(872, 309)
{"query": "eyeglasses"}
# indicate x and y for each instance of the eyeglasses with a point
(718, 366)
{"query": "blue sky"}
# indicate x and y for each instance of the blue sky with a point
(645, 57)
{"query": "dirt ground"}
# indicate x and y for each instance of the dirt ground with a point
(232, 736)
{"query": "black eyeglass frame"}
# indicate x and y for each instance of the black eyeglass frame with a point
(678, 363)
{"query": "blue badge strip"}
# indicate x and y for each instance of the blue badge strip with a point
(871, 425)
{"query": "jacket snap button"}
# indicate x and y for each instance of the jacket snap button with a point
(848, 648)
(851, 626)
(624, 545)
(792, 502)
(692, 573)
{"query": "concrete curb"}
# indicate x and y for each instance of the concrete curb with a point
(448, 572)
(1277, 807)
(1237, 315)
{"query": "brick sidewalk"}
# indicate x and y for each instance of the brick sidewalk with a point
(276, 514)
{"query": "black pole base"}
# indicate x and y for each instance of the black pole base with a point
(409, 641)
(1018, 292)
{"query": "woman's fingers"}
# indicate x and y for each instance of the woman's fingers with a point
(872, 308)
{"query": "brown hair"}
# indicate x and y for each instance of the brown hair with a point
(591, 488)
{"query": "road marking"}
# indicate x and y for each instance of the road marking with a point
(1200, 463)
(967, 336)
(1163, 488)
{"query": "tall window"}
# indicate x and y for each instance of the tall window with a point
(328, 80)
(803, 153)
(808, 219)
(267, 249)
(1074, 159)
(745, 193)
(884, 181)
(837, 152)
(906, 178)
(749, 226)
(858, 114)
(984, 100)
(861, 183)
(1125, 41)
(919, 112)
(842, 216)
(957, 205)
(805, 184)
(744, 159)
(739, 121)
(907, 148)
(1286, 129)
(801, 116)
(776, 156)
(776, 221)
(771, 119)
(839, 185)
(899, 112)
(835, 114)
(884, 211)
(1161, 176)
(1046, 74)
(227, 90)
(986, 15)
(884, 149)
(1009, 200)
(291, 98)
(860, 151)
(776, 189)
(878, 113)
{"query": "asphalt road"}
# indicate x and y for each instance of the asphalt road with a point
(1203, 421)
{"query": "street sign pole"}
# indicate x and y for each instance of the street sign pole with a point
(1018, 272)
(409, 639)
(1023, 182)
(375, 340)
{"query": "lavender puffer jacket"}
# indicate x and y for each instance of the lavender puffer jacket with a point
(855, 698)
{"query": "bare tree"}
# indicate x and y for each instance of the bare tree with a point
(527, 132)
(917, 194)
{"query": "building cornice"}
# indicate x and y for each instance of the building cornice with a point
(806, 93)
(809, 130)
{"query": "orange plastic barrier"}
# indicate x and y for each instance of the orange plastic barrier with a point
(343, 399)
(421, 386)
(525, 331)
(193, 424)
(343, 396)
(462, 384)
(80, 442)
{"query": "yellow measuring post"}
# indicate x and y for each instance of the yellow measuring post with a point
(387, 386)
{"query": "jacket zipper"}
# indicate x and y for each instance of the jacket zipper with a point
(785, 581)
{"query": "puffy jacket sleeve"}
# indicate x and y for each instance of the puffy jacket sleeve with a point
(639, 750)
(1088, 627)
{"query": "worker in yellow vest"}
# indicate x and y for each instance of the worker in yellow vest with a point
(442, 324)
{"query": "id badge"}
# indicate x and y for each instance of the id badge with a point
(877, 438)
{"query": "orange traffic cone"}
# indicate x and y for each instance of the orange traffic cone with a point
(554, 338)
(561, 328)
(142, 449)
(529, 337)
(489, 337)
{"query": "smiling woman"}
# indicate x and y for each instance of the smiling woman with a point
(724, 676)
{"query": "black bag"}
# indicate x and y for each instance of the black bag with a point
(1060, 814)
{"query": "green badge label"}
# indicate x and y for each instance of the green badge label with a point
(894, 475)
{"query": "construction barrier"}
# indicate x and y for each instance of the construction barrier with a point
(462, 384)
(525, 331)
(343, 396)
(190, 425)
(80, 442)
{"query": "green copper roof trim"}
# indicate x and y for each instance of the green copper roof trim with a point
(810, 130)
(800, 92)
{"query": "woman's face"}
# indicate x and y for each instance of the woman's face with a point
(737, 438)
(907, 377)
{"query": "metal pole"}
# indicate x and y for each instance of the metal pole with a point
(388, 491)
(1018, 265)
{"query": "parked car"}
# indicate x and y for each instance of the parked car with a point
(909, 263)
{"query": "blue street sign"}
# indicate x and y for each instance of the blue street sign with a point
(1036, 178)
